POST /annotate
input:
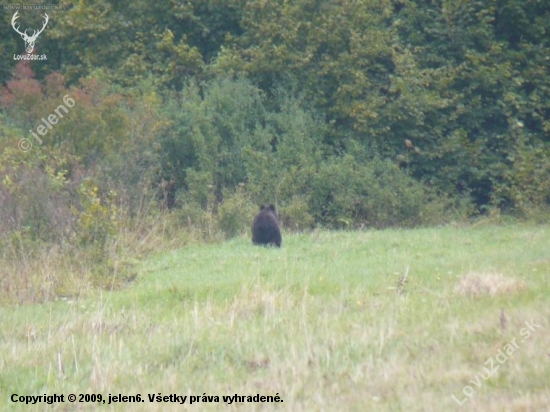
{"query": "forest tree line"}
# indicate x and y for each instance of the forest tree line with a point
(346, 113)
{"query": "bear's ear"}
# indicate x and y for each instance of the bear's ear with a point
(272, 207)
(262, 207)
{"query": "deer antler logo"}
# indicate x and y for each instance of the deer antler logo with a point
(29, 40)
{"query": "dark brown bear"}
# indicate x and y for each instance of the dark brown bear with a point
(265, 227)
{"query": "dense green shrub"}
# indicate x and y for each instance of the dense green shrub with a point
(212, 130)
(226, 149)
(295, 215)
(235, 213)
(376, 194)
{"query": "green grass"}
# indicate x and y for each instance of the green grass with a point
(324, 322)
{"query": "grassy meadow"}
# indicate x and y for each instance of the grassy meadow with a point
(391, 320)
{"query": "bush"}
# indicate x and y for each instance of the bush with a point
(296, 215)
(346, 194)
(235, 214)
(35, 194)
(212, 130)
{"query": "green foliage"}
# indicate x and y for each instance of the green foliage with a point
(280, 173)
(235, 213)
(483, 70)
(339, 54)
(35, 194)
(346, 194)
(94, 169)
(296, 215)
(130, 40)
(97, 219)
(211, 132)
(103, 134)
(452, 77)
(526, 183)
(224, 138)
